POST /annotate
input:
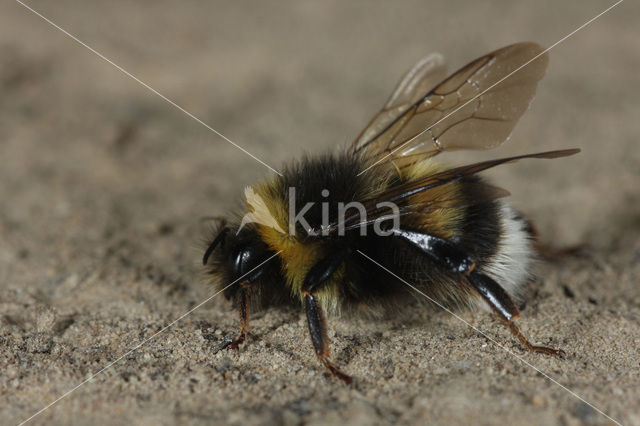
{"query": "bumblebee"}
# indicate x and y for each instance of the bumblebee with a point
(381, 213)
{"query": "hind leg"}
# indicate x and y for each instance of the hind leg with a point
(506, 309)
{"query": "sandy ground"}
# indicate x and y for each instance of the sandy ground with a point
(104, 187)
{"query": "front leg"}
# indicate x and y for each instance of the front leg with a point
(244, 306)
(318, 275)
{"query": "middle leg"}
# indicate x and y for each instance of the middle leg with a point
(318, 275)
(318, 331)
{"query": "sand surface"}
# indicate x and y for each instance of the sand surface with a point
(104, 187)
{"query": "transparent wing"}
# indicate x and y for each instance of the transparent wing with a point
(417, 82)
(423, 195)
(475, 108)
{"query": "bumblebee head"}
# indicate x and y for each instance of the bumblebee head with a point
(240, 255)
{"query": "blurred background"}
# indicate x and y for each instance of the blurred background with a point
(104, 187)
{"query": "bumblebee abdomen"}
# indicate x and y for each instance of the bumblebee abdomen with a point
(493, 235)
(488, 230)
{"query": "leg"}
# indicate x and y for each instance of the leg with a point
(455, 260)
(318, 331)
(318, 275)
(244, 303)
(504, 307)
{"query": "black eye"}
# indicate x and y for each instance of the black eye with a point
(242, 262)
(245, 261)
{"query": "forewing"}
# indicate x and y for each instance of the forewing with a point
(475, 108)
(432, 181)
(418, 81)
(424, 195)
